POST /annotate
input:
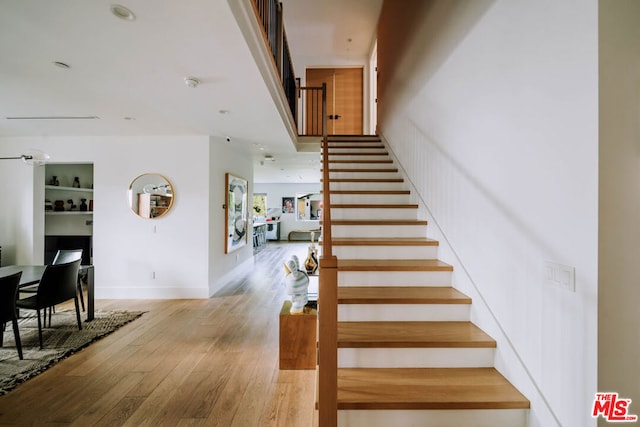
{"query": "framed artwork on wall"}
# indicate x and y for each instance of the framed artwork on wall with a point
(288, 205)
(237, 213)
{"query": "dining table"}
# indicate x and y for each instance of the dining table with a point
(31, 274)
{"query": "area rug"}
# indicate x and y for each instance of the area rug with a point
(60, 341)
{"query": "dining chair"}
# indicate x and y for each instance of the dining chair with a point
(57, 285)
(8, 294)
(67, 255)
(62, 256)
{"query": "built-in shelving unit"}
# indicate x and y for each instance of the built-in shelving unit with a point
(67, 226)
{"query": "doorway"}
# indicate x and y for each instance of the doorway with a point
(344, 99)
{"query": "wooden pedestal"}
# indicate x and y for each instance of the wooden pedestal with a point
(297, 339)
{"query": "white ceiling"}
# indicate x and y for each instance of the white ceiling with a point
(131, 74)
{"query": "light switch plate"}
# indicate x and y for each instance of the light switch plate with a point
(560, 275)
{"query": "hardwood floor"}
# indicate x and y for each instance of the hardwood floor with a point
(207, 362)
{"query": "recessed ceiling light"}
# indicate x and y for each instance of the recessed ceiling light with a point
(122, 12)
(129, 118)
(61, 65)
(224, 112)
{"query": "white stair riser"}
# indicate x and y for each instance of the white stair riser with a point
(344, 146)
(394, 278)
(363, 175)
(374, 213)
(416, 357)
(349, 149)
(359, 157)
(351, 138)
(382, 231)
(440, 418)
(366, 186)
(385, 252)
(362, 166)
(365, 142)
(404, 312)
(394, 199)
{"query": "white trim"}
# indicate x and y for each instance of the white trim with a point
(151, 293)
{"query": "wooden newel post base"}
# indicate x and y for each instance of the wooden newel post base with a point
(328, 342)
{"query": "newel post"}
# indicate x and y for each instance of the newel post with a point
(328, 342)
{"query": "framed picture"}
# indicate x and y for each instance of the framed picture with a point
(288, 205)
(237, 213)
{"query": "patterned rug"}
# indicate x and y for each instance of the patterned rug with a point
(60, 340)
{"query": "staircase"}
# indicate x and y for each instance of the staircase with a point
(408, 354)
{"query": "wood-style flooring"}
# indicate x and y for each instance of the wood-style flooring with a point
(210, 362)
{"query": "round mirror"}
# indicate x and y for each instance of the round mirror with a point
(150, 195)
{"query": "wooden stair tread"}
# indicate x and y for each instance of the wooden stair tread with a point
(387, 161)
(393, 265)
(359, 138)
(406, 241)
(403, 334)
(371, 206)
(427, 388)
(361, 153)
(355, 222)
(401, 295)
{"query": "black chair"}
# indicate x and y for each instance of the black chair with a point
(67, 255)
(8, 295)
(62, 257)
(57, 285)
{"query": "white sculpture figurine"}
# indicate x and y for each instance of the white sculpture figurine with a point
(297, 285)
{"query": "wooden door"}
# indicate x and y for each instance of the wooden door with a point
(344, 99)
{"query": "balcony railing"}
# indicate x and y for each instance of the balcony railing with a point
(269, 14)
(312, 111)
(305, 103)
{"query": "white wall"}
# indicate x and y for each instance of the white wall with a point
(619, 234)
(17, 212)
(492, 107)
(181, 248)
(276, 191)
(225, 157)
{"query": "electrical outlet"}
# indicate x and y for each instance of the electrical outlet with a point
(560, 275)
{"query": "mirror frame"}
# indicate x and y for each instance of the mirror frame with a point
(147, 186)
